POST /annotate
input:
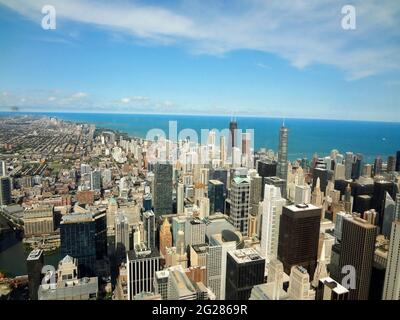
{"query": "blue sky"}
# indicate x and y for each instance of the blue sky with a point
(255, 57)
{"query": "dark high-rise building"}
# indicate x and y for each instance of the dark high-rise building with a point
(379, 196)
(162, 189)
(324, 176)
(149, 226)
(362, 203)
(357, 250)
(122, 237)
(232, 136)
(216, 196)
(378, 166)
(266, 169)
(244, 269)
(34, 264)
(357, 166)
(147, 202)
(78, 240)
(298, 237)
(398, 161)
(101, 234)
(391, 164)
(5, 191)
(282, 167)
(220, 175)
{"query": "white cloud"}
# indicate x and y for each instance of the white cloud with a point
(134, 99)
(79, 95)
(51, 98)
(304, 32)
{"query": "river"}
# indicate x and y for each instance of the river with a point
(13, 255)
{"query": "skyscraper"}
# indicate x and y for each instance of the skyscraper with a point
(240, 203)
(195, 232)
(180, 198)
(378, 166)
(245, 269)
(357, 250)
(266, 168)
(162, 189)
(216, 196)
(299, 236)
(222, 147)
(302, 194)
(161, 283)
(226, 246)
(5, 191)
(165, 237)
(389, 215)
(256, 188)
(283, 155)
(348, 164)
(3, 169)
(379, 197)
(391, 287)
(271, 212)
(214, 269)
(95, 180)
(122, 242)
(232, 136)
(391, 164)
(347, 199)
(34, 265)
(78, 239)
(143, 264)
(178, 224)
(357, 166)
(149, 226)
(398, 161)
(299, 284)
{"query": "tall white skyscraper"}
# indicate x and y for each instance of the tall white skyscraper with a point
(214, 263)
(271, 212)
(226, 246)
(204, 204)
(3, 168)
(391, 287)
(302, 194)
(180, 198)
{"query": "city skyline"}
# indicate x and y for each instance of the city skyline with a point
(220, 63)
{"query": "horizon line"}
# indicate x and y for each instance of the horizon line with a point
(202, 115)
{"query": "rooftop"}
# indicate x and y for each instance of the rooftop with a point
(77, 217)
(245, 255)
(34, 255)
(302, 207)
(333, 285)
(217, 182)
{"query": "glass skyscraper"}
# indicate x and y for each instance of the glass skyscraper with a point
(78, 240)
(162, 189)
(216, 196)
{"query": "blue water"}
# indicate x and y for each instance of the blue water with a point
(306, 137)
